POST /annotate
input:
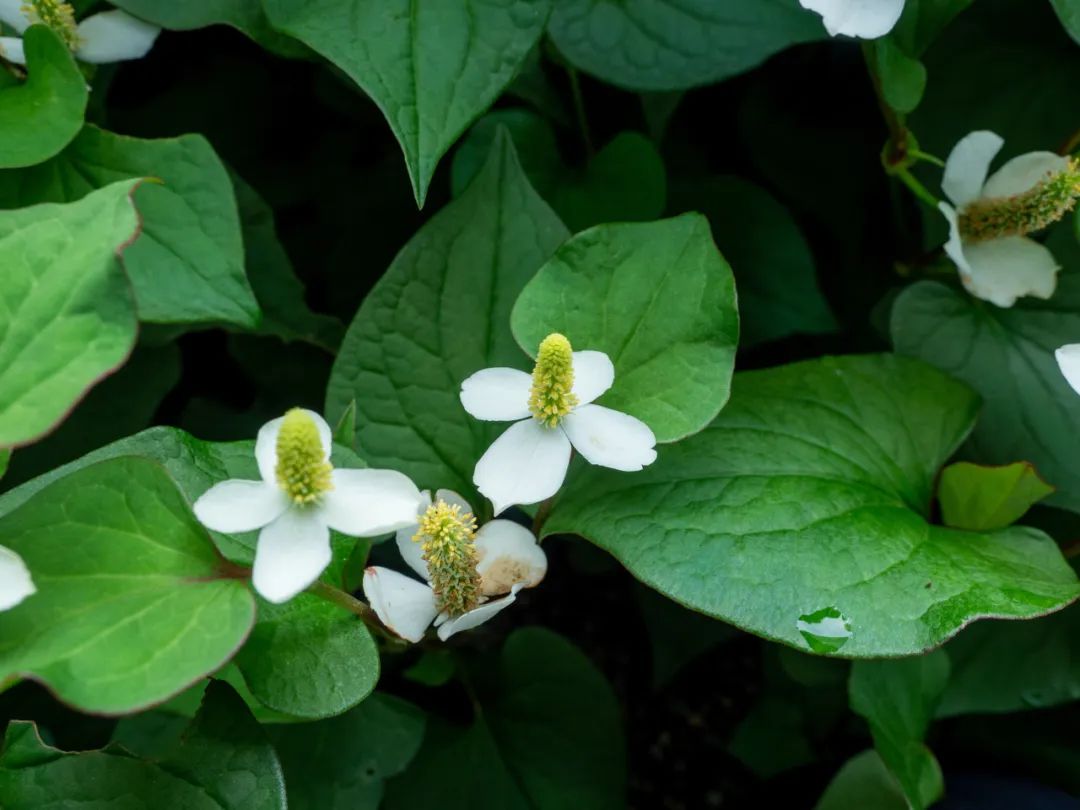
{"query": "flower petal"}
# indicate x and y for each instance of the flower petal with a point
(291, 553)
(1068, 360)
(610, 438)
(477, 616)
(968, 164)
(954, 247)
(114, 36)
(1005, 269)
(11, 14)
(15, 582)
(526, 464)
(1023, 173)
(405, 606)
(11, 48)
(410, 551)
(868, 19)
(266, 444)
(367, 503)
(593, 375)
(452, 498)
(497, 394)
(508, 555)
(240, 506)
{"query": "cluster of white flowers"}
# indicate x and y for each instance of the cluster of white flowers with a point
(109, 36)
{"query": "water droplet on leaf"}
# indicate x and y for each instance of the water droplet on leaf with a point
(825, 630)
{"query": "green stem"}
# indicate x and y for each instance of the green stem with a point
(918, 154)
(579, 109)
(350, 603)
(896, 149)
(917, 188)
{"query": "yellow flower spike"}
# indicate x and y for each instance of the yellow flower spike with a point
(551, 397)
(1021, 214)
(302, 469)
(60, 17)
(446, 537)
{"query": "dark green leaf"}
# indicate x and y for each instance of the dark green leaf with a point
(1069, 13)
(986, 498)
(863, 782)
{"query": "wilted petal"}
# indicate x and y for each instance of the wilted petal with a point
(114, 36)
(508, 555)
(1007, 268)
(291, 553)
(11, 48)
(868, 19)
(266, 444)
(1068, 360)
(1023, 173)
(968, 164)
(405, 606)
(593, 375)
(240, 506)
(367, 503)
(11, 14)
(15, 582)
(610, 438)
(526, 464)
(497, 394)
(477, 616)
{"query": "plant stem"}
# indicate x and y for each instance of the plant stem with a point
(896, 148)
(579, 109)
(350, 603)
(917, 188)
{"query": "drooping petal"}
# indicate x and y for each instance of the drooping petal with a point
(367, 503)
(15, 581)
(610, 438)
(11, 14)
(497, 394)
(405, 606)
(477, 616)
(593, 375)
(868, 19)
(266, 444)
(114, 36)
(240, 506)
(1005, 269)
(954, 247)
(968, 164)
(526, 464)
(291, 553)
(1068, 360)
(508, 555)
(1023, 173)
(11, 48)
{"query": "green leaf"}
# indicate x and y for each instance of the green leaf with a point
(774, 269)
(129, 609)
(67, 316)
(987, 498)
(547, 736)
(799, 514)
(676, 44)
(188, 266)
(1007, 355)
(342, 763)
(623, 182)
(676, 636)
(903, 77)
(863, 782)
(898, 699)
(923, 21)
(40, 116)
(1068, 12)
(440, 313)
(659, 299)
(432, 70)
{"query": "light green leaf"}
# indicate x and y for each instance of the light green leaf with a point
(903, 77)
(342, 763)
(1068, 12)
(40, 116)
(548, 737)
(188, 266)
(799, 515)
(67, 317)
(987, 498)
(659, 299)
(898, 699)
(440, 313)
(130, 608)
(1007, 355)
(676, 44)
(863, 782)
(432, 69)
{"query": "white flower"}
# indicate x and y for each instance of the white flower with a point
(868, 19)
(508, 559)
(15, 582)
(299, 499)
(1068, 360)
(110, 36)
(1001, 264)
(553, 413)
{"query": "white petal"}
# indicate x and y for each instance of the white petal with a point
(11, 48)
(1023, 173)
(367, 503)
(11, 14)
(452, 498)
(593, 375)
(15, 582)
(508, 555)
(477, 616)
(868, 19)
(954, 247)
(1068, 360)
(967, 166)
(405, 606)
(497, 394)
(114, 36)
(1005, 269)
(526, 464)
(266, 444)
(240, 506)
(291, 553)
(610, 438)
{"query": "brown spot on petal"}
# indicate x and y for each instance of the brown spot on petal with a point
(506, 572)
